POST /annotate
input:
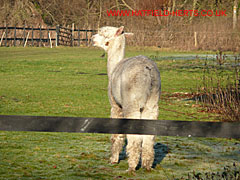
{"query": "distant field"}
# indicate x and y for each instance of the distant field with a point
(73, 82)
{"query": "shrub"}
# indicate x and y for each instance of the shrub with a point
(219, 87)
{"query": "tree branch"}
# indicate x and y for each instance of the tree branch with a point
(127, 5)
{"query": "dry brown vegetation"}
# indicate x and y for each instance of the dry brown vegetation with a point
(211, 33)
(219, 88)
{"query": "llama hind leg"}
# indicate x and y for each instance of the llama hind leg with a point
(148, 151)
(148, 140)
(133, 150)
(134, 141)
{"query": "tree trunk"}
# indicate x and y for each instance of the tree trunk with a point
(235, 7)
(193, 8)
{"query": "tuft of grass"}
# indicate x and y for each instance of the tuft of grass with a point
(228, 172)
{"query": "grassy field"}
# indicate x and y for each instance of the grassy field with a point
(73, 82)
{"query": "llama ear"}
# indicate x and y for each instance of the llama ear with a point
(119, 31)
(128, 34)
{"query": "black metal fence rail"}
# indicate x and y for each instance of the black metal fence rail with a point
(39, 36)
(120, 126)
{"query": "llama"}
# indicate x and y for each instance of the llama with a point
(134, 90)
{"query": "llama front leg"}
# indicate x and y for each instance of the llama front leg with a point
(117, 144)
(116, 139)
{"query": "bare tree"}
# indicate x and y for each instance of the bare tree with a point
(193, 8)
(235, 7)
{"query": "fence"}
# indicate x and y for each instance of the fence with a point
(120, 126)
(49, 36)
(187, 40)
(66, 36)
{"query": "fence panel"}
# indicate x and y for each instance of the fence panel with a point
(40, 36)
(65, 36)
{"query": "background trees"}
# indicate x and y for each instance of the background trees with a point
(90, 14)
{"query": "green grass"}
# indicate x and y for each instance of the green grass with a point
(49, 82)
(66, 82)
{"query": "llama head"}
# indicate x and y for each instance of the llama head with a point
(108, 36)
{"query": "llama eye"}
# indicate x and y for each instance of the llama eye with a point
(107, 43)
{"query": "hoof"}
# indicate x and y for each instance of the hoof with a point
(131, 171)
(149, 169)
(113, 161)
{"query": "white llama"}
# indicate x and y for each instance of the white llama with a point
(134, 89)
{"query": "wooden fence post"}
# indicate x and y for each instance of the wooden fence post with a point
(32, 36)
(91, 36)
(40, 34)
(26, 39)
(24, 35)
(86, 38)
(79, 37)
(72, 39)
(57, 35)
(50, 40)
(195, 39)
(2, 38)
(6, 36)
(15, 34)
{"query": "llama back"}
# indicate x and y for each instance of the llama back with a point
(134, 80)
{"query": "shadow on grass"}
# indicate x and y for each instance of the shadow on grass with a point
(160, 152)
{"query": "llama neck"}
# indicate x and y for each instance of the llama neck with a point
(115, 54)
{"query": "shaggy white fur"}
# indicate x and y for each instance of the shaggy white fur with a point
(134, 90)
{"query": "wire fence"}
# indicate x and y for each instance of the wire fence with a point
(187, 40)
